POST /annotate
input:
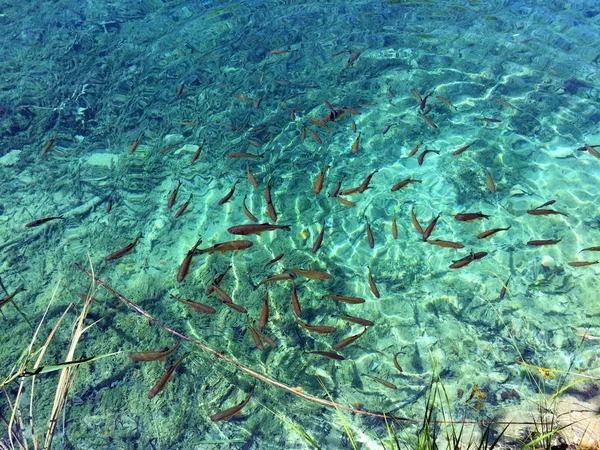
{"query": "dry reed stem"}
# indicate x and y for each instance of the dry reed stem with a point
(276, 383)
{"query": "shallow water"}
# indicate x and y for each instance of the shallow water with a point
(98, 77)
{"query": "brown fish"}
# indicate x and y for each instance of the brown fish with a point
(264, 313)
(230, 412)
(38, 222)
(280, 277)
(447, 102)
(394, 227)
(162, 382)
(489, 120)
(467, 260)
(353, 57)
(330, 355)
(251, 178)
(421, 157)
(185, 265)
(403, 183)
(350, 191)
(488, 233)
(228, 195)
(504, 288)
(349, 340)
(125, 250)
(356, 320)
(243, 155)
(256, 338)
(429, 121)
(548, 203)
(490, 181)
(5, 301)
(430, 228)
(256, 228)
(590, 249)
(153, 355)
(346, 299)
(540, 242)
(417, 96)
(461, 150)
(365, 184)
(315, 136)
(354, 147)
(217, 281)
(196, 306)
(370, 239)
(318, 187)
(505, 104)
(345, 202)
(49, 145)
(337, 188)
(173, 196)
(274, 260)
(319, 240)
(271, 212)
(135, 144)
(229, 246)
(415, 221)
(183, 207)
(383, 382)
(414, 151)
(545, 212)
(372, 284)
(446, 244)
(396, 363)
(247, 212)
(353, 124)
(468, 217)
(582, 263)
(196, 154)
(312, 274)
(266, 339)
(591, 150)
(295, 301)
(322, 329)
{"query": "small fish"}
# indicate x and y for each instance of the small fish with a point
(505, 104)
(424, 103)
(230, 412)
(319, 123)
(173, 196)
(266, 339)
(281, 277)
(490, 181)
(592, 151)
(295, 301)
(548, 203)
(354, 111)
(315, 137)
(541, 242)
(349, 340)
(319, 240)
(256, 338)
(353, 57)
(271, 212)
(370, 239)
(166, 149)
(354, 147)
(244, 98)
(318, 187)
(386, 129)
(268, 192)
(312, 274)
(488, 233)
(183, 207)
(415, 221)
(417, 96)
(391, 93)
(504, 288)
(447, 102)
(372, 284)
(489, 120)
(153, 355)
(430, 228)
(303, 134)
(346, 299)
(38, 222)
(279, 52)
(582, 263)
(185, 264)
(196, 154)
(345, 202)
(446, 244)
(468, 217)
(256, 228)
(5, 301)
(421, 158)
(353, 124)
(217, 281)
(429, 121)
(414, 151)
(187, 123)
(162, 382)
(264, 313)
(274, 260)
(403, 183)
(242, 155)
(196, 306)
(385, 383)
(321, 329)
(247, 212)
(179, 90)
(228, 195)
(365, 184)
(330, 355)
(125, 250)
(467, 260)
(229, 246)
(134, 146)
(251, 178)
(48, 146)
(394, 227)
(356, 320)
(461, 150)
(109, 205)
(545, 212)
(590, 249)
(350, 191)
(337, 188)
(258, 102)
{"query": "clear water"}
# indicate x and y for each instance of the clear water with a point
(98, 76)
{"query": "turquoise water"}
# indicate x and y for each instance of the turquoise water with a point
(103, 107)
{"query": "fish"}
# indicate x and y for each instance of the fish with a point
(353, 57)
(421, 157)
(354, 147)
(264, 313)
(319, 123)
(387, 128)
(153, 355)
(196, 306)
(391, 93)
(346, 299)
(353, 110)
(244, 98)
(247, 212)
(302, 134)
(394, 227)
(319, 240)
(196, 154)
(318, 187)
(187, 123)
(396, 363)
(548, 203)
(430, 228)
(353, 124)
(280, 277)
(429, 121)
(256, 228)
(372, 284)
(590, 249)
(506, 104)
(179, 90)
(545, 212)
(274, 260)
(258, 102)
(243, 155)
(541, 242)
(229, 246)
(230, 412)
(295, 301)
(414, 151)
(490, 181)
(257, 129)
(183, 207)
(461, 150)
(228, 195)
(321, 329)
(424, 103)
(271, 212)
(467, 260)
(415, 221)
(125, 250)
(217, 281)
(251, 178)
(266, 339)
(38, 222)
(337, 188)
(48, 146)
(582, 263)
(173, 196)
(489, 120)
(468, 217)
(446, 244)
(312, 274)
(347, 341)
(166, 149)
(365, 184)
(504, 288)
(11, 297)
(134, 146)
(403, 183)
(185, 264)
(350, 191)
(345, 202)
(417, 96)
(109, 205)
(315, 137)
(370, 239)
(330, 355)
(383, 382)
(356, 320)
(488, 233)
(447, 102)
(162, 382)
(591, 150)
(256, 338)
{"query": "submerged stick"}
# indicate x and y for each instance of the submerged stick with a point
(276, 383)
